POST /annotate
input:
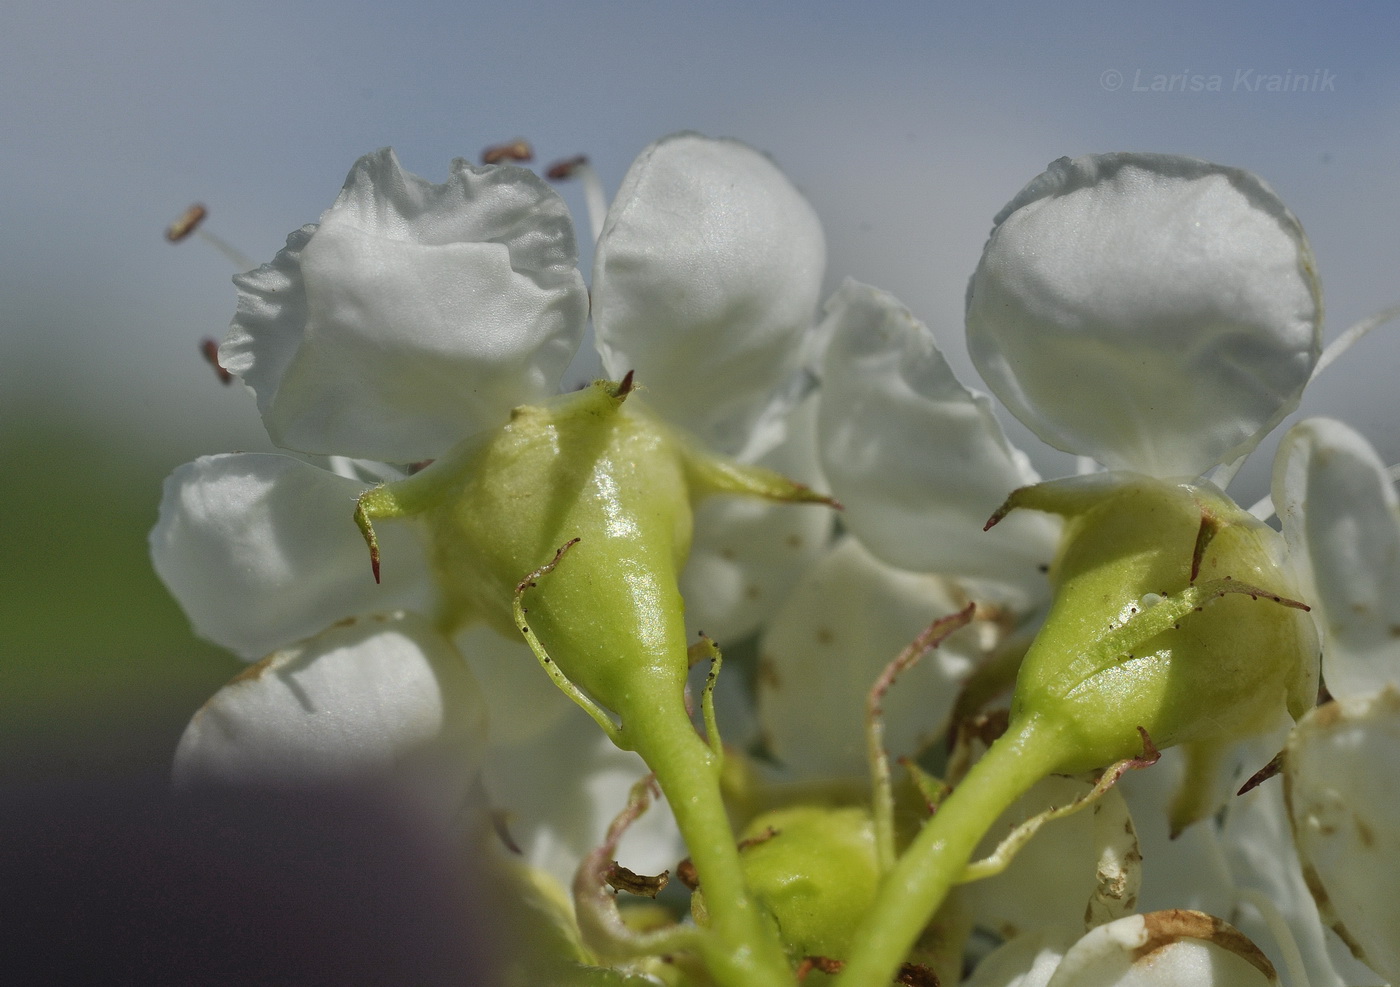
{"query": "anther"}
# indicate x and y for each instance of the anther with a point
(516, 150)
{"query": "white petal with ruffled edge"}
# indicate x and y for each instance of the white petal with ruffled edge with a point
(414, 315)
(748, 553)
(1341, 519)
(848, 618)
(705, 281)
(919, 461)
(262, 550)
(1164, 949)
(377, 700)
(1342, 770)
(1157, 313)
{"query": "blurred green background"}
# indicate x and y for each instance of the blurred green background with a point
(100, 671)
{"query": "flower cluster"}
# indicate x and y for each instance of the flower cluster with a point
(490, 594)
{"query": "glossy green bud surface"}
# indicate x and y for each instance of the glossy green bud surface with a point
(1174, 612)
(815, 870)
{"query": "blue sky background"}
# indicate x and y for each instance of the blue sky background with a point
(908, 124)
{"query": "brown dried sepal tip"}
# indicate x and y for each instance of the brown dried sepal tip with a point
(210, 349)
(187, 223)
(561, 170)
(516, 150)
(619, 878)
(1274, 766)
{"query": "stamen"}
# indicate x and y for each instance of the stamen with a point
(187, 223)
(594, 200)
(209, 347)
(516, 150)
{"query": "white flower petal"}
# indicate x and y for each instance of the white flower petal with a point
(1157, 313)
(1343, 772)
(918, 460)
(1053, 877)
(1027, 961)
(262, 550)
(847, 619)
(1164, 949)
(557, 792)
(747, 553)
(525, 702)
(374, 700)
(414, 315)
(1259, 846)
(1183, 871)
(1341, 518)
(705, 281)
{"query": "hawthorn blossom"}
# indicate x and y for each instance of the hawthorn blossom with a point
(414, 315)
(1154, 313)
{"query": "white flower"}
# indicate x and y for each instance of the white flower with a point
(1341, 516)
(1156, 313)
(414, 315)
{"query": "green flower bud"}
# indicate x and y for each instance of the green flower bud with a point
(570, 525)
(594, 473)
(815, 870)
(1174, 613)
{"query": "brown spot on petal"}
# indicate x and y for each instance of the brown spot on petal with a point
(825, 635)
(1327, 715)
(255, 671)
(793, 541)
(1174, 924)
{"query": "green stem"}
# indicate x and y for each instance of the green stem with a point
(743, 948)
(911, 893)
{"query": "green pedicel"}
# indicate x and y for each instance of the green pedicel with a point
(1172, 613)
(614, 486)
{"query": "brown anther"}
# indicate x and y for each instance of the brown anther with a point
(187, 223)
(619, 878)
(516, 150)
(209, 347)
(561, 170)
(624, 386)
(687, 874)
